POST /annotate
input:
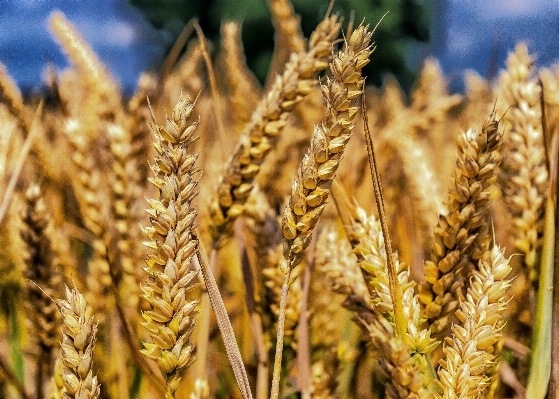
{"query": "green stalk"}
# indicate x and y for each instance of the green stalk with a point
(540, 364)
(16, 357)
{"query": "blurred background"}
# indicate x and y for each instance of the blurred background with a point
(131, 36)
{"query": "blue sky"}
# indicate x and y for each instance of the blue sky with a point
(476, 28)
(118, 33)
(126, 42)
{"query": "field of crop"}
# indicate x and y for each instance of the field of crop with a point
(311, 237)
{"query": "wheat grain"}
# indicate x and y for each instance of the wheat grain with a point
(201, 390)
(56, 390)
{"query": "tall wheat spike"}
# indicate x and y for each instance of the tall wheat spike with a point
(311, 186)
(524, 171)
(44, 281)
(461, 235)
(408, 373)
(267, 122)
(171, 318)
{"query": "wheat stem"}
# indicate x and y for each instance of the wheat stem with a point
(224, 324)
(279, 342)
(211, 76)
(8, 194)
(554, 381)
(12, 379)
(304, 375)
(261, 391)
(395, 289)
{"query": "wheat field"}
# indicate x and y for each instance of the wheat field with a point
(314, 237)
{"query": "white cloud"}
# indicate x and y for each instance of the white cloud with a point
(111, 33)
(120, 34)
(509, 8)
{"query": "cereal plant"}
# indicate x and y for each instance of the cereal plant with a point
(314, 237)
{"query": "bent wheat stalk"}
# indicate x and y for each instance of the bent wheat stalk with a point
(224, 324)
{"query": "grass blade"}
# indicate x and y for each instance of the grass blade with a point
(540, 365)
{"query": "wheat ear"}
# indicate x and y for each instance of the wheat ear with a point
(337, 262)
(461, 235)
(44, 281)
(366, 237)
(267, 122)
(87, 183)
(471, 349)
(243, 85)
(125, 194)
(524, 171)
(78, 339)
(216, 98)
(288, 36)
(88, 64)
(171, 318)
(311, 187)
(12, 98)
